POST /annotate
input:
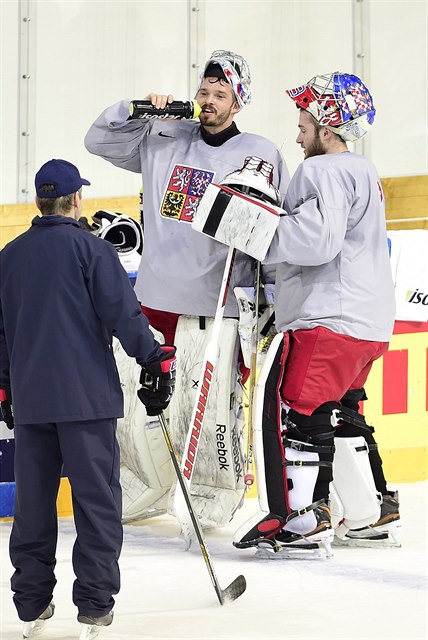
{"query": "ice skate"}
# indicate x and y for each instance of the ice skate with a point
(274, 542)
(383, 533)
(91, 627)
(34, 628)
(312, 545)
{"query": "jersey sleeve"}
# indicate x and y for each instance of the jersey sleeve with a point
(313, 227)
(117, 139)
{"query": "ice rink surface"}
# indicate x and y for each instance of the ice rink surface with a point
(359, 594)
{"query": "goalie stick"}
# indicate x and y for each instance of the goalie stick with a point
(238, 586)
(204, 386)
(249, 473)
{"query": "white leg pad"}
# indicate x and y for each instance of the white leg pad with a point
(146, 471)
(301, 495)
(355, 502)
(217, 487)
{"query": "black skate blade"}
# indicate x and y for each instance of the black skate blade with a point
(310, 551)
(367, 543)
(233, 591)
(249, 544)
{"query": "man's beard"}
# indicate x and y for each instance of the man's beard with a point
(316, 149)
(218, 121)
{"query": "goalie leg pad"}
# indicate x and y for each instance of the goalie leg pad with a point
(302, 473)
(289, 459)
(146, 471)
(355, 500)
(351, 400)
(268, 449)
(217, 487)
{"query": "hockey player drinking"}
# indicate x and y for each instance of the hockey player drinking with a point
(334, 305)
(180, 274)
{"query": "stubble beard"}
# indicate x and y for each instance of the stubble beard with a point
(315, 149)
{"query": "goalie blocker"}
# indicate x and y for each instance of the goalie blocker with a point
(243, 210)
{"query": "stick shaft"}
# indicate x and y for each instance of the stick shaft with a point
(249, 474)
(192, 514)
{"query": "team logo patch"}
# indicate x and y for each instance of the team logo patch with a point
(186, 187)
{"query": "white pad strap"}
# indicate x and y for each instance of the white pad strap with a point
(355, 502)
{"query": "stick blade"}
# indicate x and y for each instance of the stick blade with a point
(234, 590)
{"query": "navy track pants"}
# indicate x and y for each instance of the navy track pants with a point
(88, 454)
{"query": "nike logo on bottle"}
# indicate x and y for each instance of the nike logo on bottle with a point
(164, 135)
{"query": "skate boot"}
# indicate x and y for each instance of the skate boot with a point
(35, 627)
(91, 627)
(274, 542)
(259, 529)
(292, 544)
(384, 532)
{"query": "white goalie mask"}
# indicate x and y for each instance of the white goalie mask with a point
(236, 71)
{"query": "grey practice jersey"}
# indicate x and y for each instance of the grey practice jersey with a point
(332, 248)
(181, 269)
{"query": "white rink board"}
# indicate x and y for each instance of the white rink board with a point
(360, 594)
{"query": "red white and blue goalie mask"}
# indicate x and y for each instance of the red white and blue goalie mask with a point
(236, 71)
(339, 101)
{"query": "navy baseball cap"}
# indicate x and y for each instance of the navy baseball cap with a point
(62, 175)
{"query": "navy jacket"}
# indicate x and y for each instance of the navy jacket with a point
(63, 296)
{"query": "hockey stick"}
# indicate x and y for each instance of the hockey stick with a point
(249, 474)
(238, 586)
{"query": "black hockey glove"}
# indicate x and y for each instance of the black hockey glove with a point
(158, 382)
(6, 407)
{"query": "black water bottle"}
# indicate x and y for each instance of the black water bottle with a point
(176, 110)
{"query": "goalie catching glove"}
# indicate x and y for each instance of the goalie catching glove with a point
(6, 408)
(158, 381)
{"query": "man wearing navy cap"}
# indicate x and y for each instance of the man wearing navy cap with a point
(63, 296)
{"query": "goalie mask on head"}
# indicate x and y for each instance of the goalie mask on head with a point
(234, 69)
(339, 101)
